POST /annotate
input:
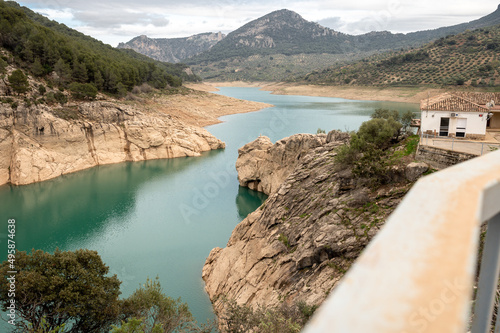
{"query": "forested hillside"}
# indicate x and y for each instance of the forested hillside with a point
(469, 58)
(62, 55)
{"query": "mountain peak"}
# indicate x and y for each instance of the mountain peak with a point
(284, 11)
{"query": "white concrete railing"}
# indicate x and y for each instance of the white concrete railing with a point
(417, 274)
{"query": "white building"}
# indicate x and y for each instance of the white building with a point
(461, 115)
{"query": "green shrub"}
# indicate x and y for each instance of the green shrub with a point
(284, 239)
(70, 288)
(57, 97)
(406, 119)
(66, 113)
(411, 145)
(149, 308)
(377, 132)
(83, 91)
(18, 81)
(42, 90)
(3, 65)
(367, 152)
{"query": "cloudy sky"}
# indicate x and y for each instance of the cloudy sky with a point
(114, 21)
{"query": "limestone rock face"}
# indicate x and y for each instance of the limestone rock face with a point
(263, 166)
(415, 169)
(297, 245)
(37, 145)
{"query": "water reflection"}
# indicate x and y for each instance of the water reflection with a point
(248, 200)
(65, 210)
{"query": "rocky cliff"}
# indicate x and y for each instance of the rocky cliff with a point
(42, 142)
(264, 166)
(173, 49)
(301, 241)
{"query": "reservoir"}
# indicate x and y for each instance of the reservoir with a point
(162, 217)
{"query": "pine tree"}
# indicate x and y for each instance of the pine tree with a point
(19, 82)
(37, 68)
(98, 80)
(80, 72)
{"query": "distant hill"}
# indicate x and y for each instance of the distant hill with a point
(280, 32)
(286, 32)
(286, 35)
(173, 49)
(470, 58)
(61, 56)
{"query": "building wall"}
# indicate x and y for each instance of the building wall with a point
(476, 124)
(495, 120)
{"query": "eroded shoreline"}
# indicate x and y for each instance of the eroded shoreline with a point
(43, 142)
(392, 94)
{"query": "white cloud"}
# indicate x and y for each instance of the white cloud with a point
(120, 20)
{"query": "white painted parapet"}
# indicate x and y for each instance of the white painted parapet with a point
(417, 274)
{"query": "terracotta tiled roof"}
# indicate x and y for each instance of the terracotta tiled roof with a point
(451, 102)
(480, 97)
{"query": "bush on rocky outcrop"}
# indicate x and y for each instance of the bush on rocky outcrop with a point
(368, 152)
(83, 91)
(18, 82)
(281, 319)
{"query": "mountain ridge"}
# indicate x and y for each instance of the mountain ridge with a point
(173, 50)
(304, 44)
(286, 32)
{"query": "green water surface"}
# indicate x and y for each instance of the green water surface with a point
(162, 217)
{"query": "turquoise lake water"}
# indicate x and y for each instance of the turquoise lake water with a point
(162, 217)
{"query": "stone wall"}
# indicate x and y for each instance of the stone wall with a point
(441, 158)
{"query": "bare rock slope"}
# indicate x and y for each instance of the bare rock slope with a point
(263, 166)
(300, 242)
(40, 142)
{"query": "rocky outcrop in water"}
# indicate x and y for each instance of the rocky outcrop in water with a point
(40, 142)
(301, 241)
(263, 166)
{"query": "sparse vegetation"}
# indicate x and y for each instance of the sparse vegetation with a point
(284, 239)
(282, 319)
